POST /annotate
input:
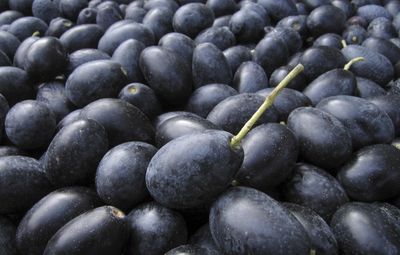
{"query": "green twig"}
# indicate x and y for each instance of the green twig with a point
(351, 62)
(267, 103)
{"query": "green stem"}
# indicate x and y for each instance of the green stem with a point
(267, 103)
(396, 145)
(351, 62)
(313, 252)
(37, 33)
(344, 44)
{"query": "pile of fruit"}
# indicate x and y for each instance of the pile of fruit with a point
(199, 127)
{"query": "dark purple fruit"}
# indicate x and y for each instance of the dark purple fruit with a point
(95, 80)
(270, 153)
(69, 161)
(182, 174)
(314, 188)
(154, 229)
(48, 215)
(329, 145)
(371, 174)
(232, 113)
(124, 166)
(272, 228)
(30, 124)
(205, 98)
(105, 226)
(22, 183)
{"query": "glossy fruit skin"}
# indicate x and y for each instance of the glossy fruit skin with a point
(363, 228)
(370, 175)
(113, 37)
(326, 19)
(279, 9)
(127, 54)
(58, 26)
(367, 88)
(10, 151)
(247, 25)
(321, 236)
(270, 153)
(24, 27)
(355, 34)
(135, 13)
(45, 10)
(287, 101)
(104, 226)
(207, 58)
(71, 8)
(236, 55)
(95, 80)
(298, 83)
(391, 105)
(170, 78)
(83, 56)
(17, 174)
(48, 215)
(107, 14)
(332, 83)
(330, 40)
(7, 237)
(314, 188)
(45, 59)
(53, 95)
(124, 166)
(203, 238)
(68, 160)
(9, 44)
(297, 22)
(329, 145)
(9, 16)
(81, 37)
(187, 249)
(87, 16)
(160, 119)
(68, 119)
(366, 123)
(180, 44)
(205, 98)
(30, 124)
(271, 53)
(177, 168)
(15, 85)
(381, 28)
(372, 11)
(143, 97)
(4, 108)
(271, 227)
(122, 121)
(320, 59)
(250, 78)
(20, 53)
(232, 113)
(221, 8)
(179, 126)
(192, 18)
(159, 20)
(221, 37)
(154, 229)
(384, 47)
(376, 67)
(290, 36)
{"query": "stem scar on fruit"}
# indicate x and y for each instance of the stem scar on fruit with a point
(269, 100)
